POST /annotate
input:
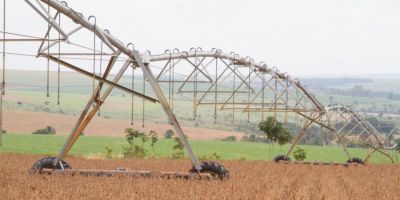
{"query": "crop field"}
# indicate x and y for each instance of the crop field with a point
(249, 180)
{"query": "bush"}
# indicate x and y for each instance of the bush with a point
(135, 150)
(154, 139)
(231, 138)
(168, 134)
(254, 138)
(45, 131)
(178, 148)
(299, 154)
(245, 138)
(214, 156)
(109, 151)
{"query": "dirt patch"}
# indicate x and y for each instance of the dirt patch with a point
(27, 122)
(249, 180)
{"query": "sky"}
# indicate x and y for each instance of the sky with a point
(301, 37)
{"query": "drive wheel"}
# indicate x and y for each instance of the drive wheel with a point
(281, 158)
(214, 168)
(47, 163)
(355, 160)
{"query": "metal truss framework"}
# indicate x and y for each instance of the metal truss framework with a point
(350, 127)
(226, 82)
(116, 49)
(230, 83)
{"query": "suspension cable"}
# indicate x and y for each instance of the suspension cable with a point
(133, 87)
(216, 89)
(3, 79)
(233, 89)
(287, 100)
(133, 96)
(170, 81)
(48, 52)
(101, 68)
(173, 78)
(94, 58)
(59, 63)
(263, 97)
(4, 49)
(143, 101)
(248, 97)
(195, 87)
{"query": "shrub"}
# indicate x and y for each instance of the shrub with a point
(178, 148)
(154, 139)
(214, 156)
(135, 150)
(45, 131)
(231, 138)
(245, 138)
(168, 134)
(299, 154)
(109, 151)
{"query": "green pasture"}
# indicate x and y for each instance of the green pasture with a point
(95, 146)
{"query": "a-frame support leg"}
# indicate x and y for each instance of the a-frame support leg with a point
(85, 118)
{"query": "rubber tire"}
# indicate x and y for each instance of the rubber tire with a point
(281, 158)
(214, 168)
(47, 163)
(355, 160)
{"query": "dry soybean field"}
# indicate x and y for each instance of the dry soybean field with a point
(249, 180)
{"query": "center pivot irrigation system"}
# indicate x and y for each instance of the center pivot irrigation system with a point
(225, 83)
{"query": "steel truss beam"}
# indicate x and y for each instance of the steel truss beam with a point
(255, 74)
(113, 43)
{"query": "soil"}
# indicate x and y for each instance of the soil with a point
(27, 122)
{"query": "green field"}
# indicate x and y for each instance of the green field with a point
(94, 146)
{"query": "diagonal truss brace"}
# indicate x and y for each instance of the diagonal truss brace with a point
(46, 17)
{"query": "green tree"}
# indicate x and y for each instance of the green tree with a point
(275, 131)
(299, 154)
